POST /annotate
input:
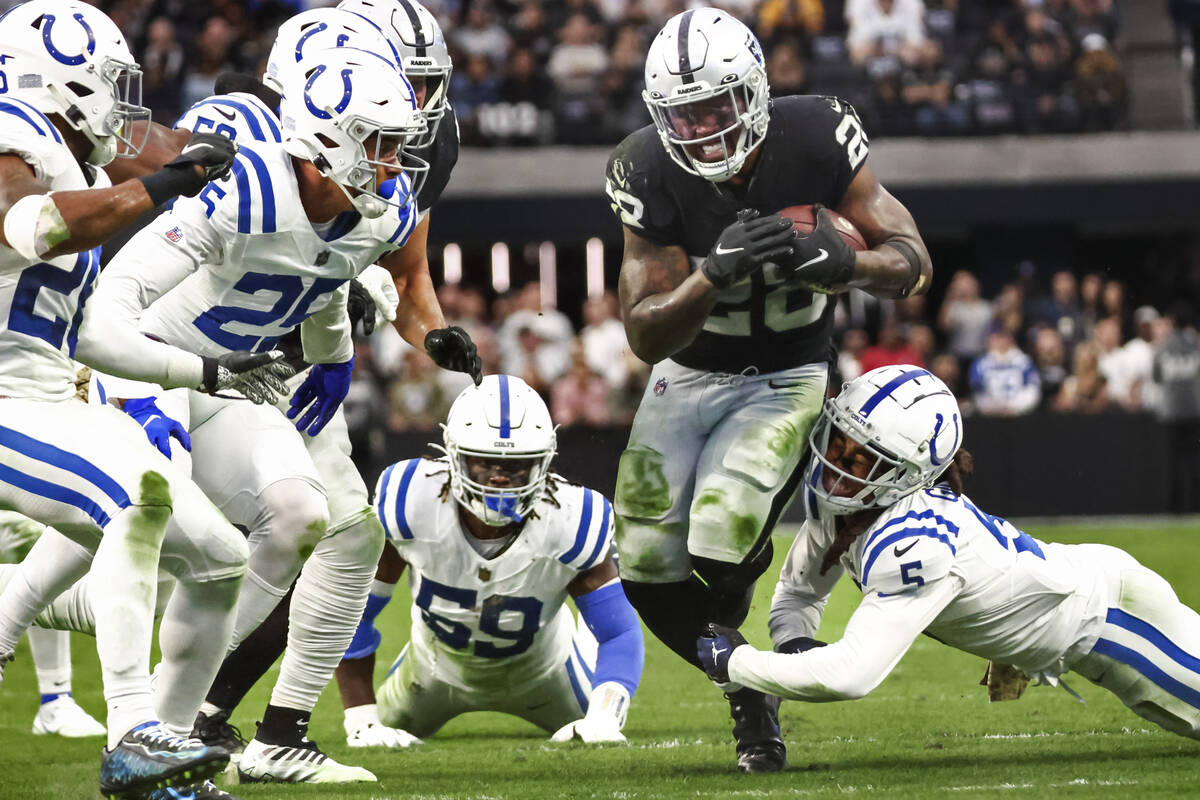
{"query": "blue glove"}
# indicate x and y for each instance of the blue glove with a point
(158, 426)
(715, 648)
(321, 393)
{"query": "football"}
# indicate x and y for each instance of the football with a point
(803, 221)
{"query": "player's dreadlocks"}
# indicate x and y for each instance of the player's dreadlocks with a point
(853, 525)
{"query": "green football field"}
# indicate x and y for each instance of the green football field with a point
(928, 730)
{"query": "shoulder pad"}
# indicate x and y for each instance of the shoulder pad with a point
(396, 496)
(29, 134)
(633, 178)
(908, 551)
(586, 529)
(239, 116)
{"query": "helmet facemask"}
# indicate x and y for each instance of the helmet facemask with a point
(738, 109)
(889, 478)
(436, 81)
(379, 148)
(118, 136)
(497, 506)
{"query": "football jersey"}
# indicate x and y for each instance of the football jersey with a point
(41, 304)
(1018, 600)
(260, 268)
(491, 624)
(238, 116)
(813, 149)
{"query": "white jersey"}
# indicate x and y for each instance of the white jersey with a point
(238, 116)
(936, 563)
(240, 265)
(41, 304)
(490, 624)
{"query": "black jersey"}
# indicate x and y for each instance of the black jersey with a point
(813, 149)
(442, 155)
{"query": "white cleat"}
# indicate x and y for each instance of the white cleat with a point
(271, 763)
(62, 716)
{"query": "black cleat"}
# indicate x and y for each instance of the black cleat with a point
(756, 730)
(215, 731)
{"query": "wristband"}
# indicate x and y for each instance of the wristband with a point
(914, 264)
(33, 226)
(171, 182)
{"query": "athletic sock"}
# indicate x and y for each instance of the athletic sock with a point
(250, 660)
(52, 661)
(286, 727)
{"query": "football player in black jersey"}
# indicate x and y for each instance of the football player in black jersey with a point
(735, 311)
(419, 42)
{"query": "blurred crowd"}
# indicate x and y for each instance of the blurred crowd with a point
(531, 72)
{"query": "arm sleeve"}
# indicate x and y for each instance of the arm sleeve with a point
(802, 592)
(877, 635)
(325, 335)
(150, 265)
(611, 618)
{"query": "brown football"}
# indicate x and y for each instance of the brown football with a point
(803, 221)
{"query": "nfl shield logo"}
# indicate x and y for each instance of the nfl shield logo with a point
(175, 235)
(660, 387)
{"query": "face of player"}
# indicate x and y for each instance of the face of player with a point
(705, 120)
(500, 473)
(420, 85)
(850, 457)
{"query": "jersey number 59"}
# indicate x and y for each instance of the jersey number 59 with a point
(455, 634)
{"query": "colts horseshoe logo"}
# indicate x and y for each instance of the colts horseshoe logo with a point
(347, 89)
(58, 55)
(937, 428)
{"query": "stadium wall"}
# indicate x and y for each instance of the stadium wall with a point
(1035, 465)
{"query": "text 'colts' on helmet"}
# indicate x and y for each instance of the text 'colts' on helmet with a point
(706, 88)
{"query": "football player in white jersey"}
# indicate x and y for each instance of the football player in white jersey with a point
(886, 505)
(336, 578)
(298, 220)
(69, 108)
(494, 543)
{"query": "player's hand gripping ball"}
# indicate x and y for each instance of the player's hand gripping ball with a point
(824, 247)
(745, 245)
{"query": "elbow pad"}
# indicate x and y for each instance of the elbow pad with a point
(33, 226)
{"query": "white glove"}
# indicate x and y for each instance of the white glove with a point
(382, 287)
(607, 708)
(363, 729)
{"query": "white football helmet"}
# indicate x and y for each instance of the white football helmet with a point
(415, 34)
(502, 419)
(321, 29)
(68, 58)
(337, 100)
(906, 417)
(706, 88)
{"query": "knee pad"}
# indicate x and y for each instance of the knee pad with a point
(298, 514)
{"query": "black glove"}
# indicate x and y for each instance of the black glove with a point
(716, 647)
(822, 259)
(361, 308)
(451, 348)
(259, 376)
(211, 152)
(798, 645)
(746, 245)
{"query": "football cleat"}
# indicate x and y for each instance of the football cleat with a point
(203, 791)
(150, 757)
(756, 730)
(215, 731)
(62, 716)
(273, 763)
